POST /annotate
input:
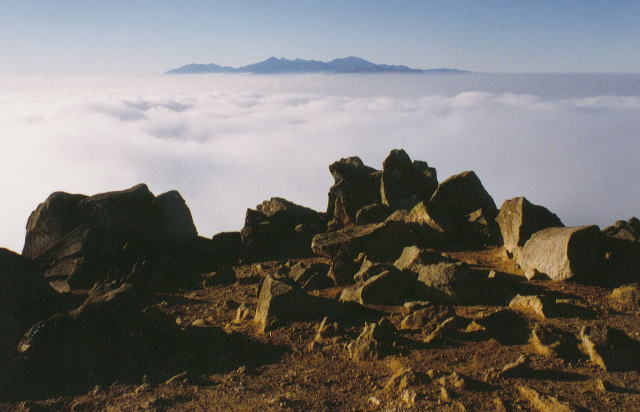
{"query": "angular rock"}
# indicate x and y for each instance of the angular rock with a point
(374, 342)
(451, 282)
(374, 213)
(627, 297)
(624, 230)
(405, 183)
(544, 403)
(175, 217)
(413, 258)
(563, 252)
(441, 331)
(369, 269)
(422, 214)
(379, 240)
(281, 300)
(506, 326)
(530, 304)
(25, 298)
(52, 219)
(550, 341)
(518, 219)
(280, 229)
(310, 276)
(461, 195)
(609, 348)
(427, 318)
(518, 368)
(356, 186)
(79, 240)
(386, 288)
(343, 268)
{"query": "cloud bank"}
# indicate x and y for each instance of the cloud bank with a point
(227, 142)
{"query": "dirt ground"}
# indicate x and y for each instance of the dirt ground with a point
(282, 372)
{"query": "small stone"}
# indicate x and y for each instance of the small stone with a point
(517, 368)
(445, 396)
(199, 323)
(242, 313)
(416, 305)
(181, 378)
(374, 401)
(533, 274)
(627, 297)
(492, 274)
(529, 304)
(544, 403)
(603, 385)
(409, 397)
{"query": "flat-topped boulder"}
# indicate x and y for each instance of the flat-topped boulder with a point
(563, 253)
(518, 219)
(78, 240)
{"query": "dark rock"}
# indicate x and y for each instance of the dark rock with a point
(25, 297)
(343, 268)
(405, 183)
(379, 241)
(441, 332)
(564, 252)
(422, 214)
(624, 230)
(356, 186)
(461, 195)
(280, 229)
(175, 217)
(609, 348)
(52, 219)
(223, 276)
(310, 276)
(519, 219)
(386, 288)
(374, 213)
(79, 240)
(505, 326)
(521, 367)
(626, 297)
(550, 341)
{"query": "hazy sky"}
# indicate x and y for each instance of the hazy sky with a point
(150, 36)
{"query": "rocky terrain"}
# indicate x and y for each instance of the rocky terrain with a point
(407, 293)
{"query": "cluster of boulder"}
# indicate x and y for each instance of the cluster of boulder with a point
(387, 239)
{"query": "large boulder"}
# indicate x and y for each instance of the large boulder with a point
(355, 186)
(461, 195)
(390, 287)
(563, 252)
(518, 219)
(279, 228)
(78, 240)
(380, 240)
(25, 297)
(282, 300)
(405, 183)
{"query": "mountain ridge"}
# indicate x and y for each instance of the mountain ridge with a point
(274, 65)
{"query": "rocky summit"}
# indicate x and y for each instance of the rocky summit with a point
(406, 293)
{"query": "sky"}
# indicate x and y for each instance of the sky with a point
(70, 37)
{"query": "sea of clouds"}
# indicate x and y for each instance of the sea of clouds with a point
(227, 142)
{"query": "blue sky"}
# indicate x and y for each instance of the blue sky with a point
(150, 36)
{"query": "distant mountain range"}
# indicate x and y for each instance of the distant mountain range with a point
(274, 65)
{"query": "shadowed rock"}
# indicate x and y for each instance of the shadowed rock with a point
(405, 183)
(280, 229)
(609, 348)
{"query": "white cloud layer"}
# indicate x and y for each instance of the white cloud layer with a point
(227, 142)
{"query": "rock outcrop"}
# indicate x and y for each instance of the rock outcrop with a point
(405, 183)
(278, 228)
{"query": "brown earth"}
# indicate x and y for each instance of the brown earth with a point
(280, 372)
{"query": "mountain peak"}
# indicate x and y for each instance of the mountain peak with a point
(350, 64)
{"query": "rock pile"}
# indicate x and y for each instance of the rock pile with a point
(398, 262)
